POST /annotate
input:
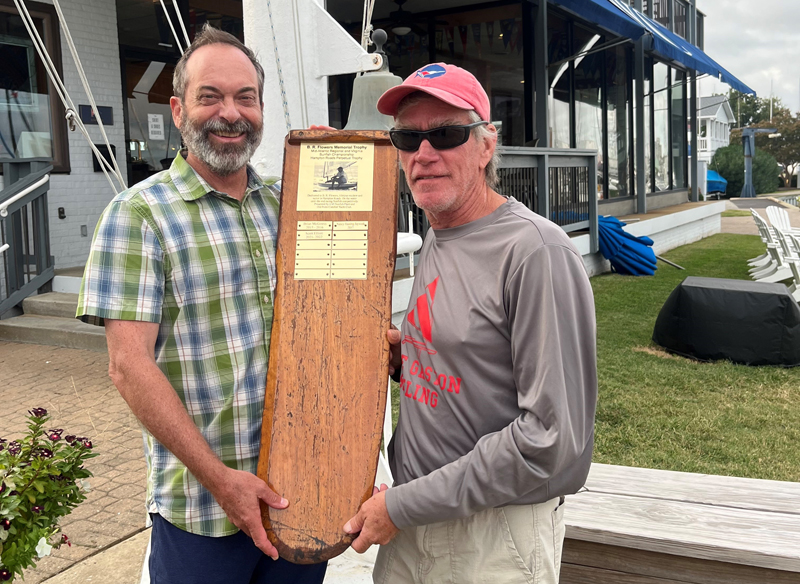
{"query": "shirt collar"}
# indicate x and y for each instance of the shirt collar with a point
(191, 186)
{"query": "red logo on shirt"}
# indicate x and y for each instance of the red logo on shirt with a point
(421, 318)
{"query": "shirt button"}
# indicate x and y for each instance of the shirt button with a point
(266, 299)
(258, 253)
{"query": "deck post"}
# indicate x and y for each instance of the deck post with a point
(594, 233)
(543, 185)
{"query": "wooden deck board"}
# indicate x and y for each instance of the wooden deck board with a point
(742, 493)
(584, 562)
(724, 519)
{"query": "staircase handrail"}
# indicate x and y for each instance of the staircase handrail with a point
(28, 266)
(24, 188)
(22, 194)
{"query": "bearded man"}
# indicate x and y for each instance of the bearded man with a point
(182, 274)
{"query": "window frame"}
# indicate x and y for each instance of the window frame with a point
(52, 40)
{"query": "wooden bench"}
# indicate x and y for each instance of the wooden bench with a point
(645, 526)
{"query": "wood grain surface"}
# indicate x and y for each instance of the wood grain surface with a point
(724, 491)
(724, 519)
(584, 562)
(327, 378)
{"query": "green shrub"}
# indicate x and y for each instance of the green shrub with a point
(42, 479)
(729, 163)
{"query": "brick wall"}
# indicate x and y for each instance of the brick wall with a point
(84, 193)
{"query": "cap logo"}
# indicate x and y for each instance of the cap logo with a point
(431, 71)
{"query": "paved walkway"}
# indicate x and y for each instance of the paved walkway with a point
(746, 225)
(74, 387)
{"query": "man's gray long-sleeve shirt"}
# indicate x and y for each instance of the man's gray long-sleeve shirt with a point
(499, 378)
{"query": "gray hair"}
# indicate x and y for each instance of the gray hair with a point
(213, 36)
(480, 132)
(483, 133)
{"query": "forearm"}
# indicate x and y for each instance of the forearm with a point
(503, 468)
(157, 406)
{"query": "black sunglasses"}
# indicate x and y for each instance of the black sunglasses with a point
(442, 138)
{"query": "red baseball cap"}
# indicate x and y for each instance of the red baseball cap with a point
(449, 83)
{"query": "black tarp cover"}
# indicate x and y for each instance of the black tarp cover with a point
(753, 323)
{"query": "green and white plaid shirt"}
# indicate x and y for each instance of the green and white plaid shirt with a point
(171, 250)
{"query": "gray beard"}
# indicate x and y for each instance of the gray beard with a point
(226, 159)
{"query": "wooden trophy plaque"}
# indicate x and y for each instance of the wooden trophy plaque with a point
(329, 356)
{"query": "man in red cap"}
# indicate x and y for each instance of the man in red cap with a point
(496, 362)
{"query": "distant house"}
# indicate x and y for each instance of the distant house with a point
(716, 118)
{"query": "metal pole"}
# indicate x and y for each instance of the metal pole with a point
(542, 78)
(694, 176)
(749, 143)
(639, 121)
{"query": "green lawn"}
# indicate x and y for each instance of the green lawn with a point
(660, 411)
(736, 213)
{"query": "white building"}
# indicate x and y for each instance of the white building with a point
(716, 118)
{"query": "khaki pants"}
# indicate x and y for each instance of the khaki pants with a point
(513, 544)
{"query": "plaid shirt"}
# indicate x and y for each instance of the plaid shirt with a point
(171, 250)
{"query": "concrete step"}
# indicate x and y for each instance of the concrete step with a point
(51, 304)
(53, 330)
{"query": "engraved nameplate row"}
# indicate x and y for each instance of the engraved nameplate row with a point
(331, 250)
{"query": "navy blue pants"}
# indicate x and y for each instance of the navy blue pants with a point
(179, 557)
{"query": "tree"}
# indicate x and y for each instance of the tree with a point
(749, 110)
(729, 163)
(783, 146)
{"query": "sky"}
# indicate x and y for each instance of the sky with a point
(758, 41)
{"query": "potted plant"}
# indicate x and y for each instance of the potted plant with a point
(42, 479)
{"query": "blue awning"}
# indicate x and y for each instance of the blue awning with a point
(606, 15)
(619, 17)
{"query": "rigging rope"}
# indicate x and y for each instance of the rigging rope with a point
(301, 75)
(171, 27)
(280, 70)
(180, 21)
(86, 87)
(366, 24)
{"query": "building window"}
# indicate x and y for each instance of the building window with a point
(589, 96)
(559, 48)
(646, 168)
(679, 134)
(618, 124)
(487, 43)
(661, 12)
(661, 141)
(31, 116)
(701, 33)
(680, 19)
